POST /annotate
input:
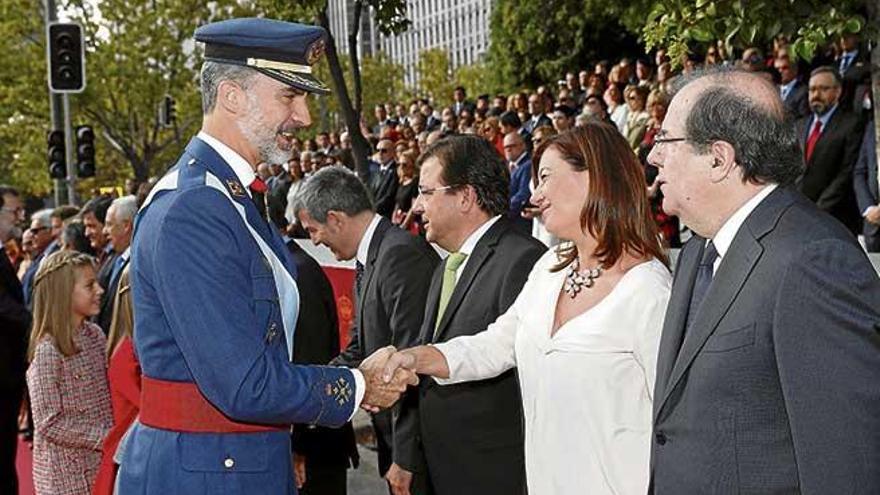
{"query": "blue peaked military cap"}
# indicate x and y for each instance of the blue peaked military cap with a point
(285, 51)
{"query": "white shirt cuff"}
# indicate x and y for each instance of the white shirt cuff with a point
(360, 388)
(452, 361)
(865, 213)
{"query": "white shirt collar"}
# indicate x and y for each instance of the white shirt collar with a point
(364, 246)
(239, 165)
(727, 232)
(471, 242)
(126, 254)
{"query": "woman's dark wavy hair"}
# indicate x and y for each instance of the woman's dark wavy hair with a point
(617, 212)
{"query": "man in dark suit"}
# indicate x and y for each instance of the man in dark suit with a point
(830, 139)
(770, 356)
(854, 67)
(520, 166)
(384, 181)
(792, 90)
(321, 455)
(41, 229)
(538, 117)
(865, 182)
(460, 102)
(14, 324)
(276, 197)
(118, 228)
(393, 273)
(94, 214)
(470, 435)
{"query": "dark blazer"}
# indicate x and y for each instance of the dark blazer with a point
(276, 199)
(384, 188)
(530, 125)
(856, 81)
(317, 342)
(797, 101)
(773, 389)
(827, 179)
(15, 322)
(105, 316)
(866, 186)
(471, 434)
(390, 308)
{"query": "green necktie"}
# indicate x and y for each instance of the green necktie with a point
(453, 261)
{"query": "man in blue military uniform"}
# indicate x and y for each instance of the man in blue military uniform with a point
(214, 290)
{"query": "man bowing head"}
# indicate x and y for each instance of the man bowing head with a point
(214, 289)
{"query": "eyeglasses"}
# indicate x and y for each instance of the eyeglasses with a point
(665, 140)
(384, 150)
(431, 190)
(38, 229)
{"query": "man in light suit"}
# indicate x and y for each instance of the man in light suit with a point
(470, 436)
(770, 356)
(393, 273)
(214, 290)
(867, 187)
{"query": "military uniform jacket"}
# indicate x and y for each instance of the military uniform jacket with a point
(207, 311)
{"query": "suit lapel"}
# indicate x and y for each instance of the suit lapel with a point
(735, 269)
(369, 270)
(431, 304)
(482, 252)
(676, 313)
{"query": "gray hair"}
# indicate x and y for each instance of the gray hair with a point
(213, 73)
(332, 188)
(763, 136)
(125, 207)
(43, 217)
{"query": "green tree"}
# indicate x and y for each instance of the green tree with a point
(533, 43)
(435, 76)
(807, 24)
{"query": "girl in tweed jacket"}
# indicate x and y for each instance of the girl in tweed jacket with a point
(67, 377)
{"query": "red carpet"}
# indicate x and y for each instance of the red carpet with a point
(24, 464)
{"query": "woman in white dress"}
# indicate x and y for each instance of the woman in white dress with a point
(584, 332)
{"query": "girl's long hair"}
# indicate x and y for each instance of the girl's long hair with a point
(53, 289)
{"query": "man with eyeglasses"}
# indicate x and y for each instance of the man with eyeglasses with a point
(41, 229)
(14, 323)
(470, 435)
(384, 182)
(830, 137)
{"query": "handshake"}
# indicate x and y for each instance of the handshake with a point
(387, 373)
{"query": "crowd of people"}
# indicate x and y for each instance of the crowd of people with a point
(558, 352)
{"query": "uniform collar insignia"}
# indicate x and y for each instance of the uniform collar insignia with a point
(235, 188)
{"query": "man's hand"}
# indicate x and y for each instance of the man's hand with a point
(396, 362)
(399, 479)
(873, 215)
(381, 393)
(299, 470)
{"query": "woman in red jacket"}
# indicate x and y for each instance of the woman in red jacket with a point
(125, 383)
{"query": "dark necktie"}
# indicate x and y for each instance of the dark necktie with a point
(358, 277)
(702, 282)
(258, 192)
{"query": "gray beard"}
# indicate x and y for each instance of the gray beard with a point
(261, 136)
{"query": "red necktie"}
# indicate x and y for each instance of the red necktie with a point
(258, 190)
(811, 140)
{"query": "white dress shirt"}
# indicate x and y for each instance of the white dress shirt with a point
(727, 232)
(587, 389)
(364, 246)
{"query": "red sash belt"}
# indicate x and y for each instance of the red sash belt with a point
(180, 406)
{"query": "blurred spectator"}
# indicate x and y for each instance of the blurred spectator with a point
(637, 118)
(93, 214)
(594, 109)
(618, 110)
(854, 67)
(830, 138)
(263, 171)
(644, 73)
(562, 118)
(73, 238)
(384, 182)
(381, 120)
(460, 101)
(491, 130)
(41, 230)
(537, 117)
(520, 166)
(407, 191)
(792, 90)
(867, 186)
(118, 228)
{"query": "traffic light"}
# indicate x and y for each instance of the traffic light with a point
(168, 112)
(85, 152)
(67, 70)
(57, 164)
